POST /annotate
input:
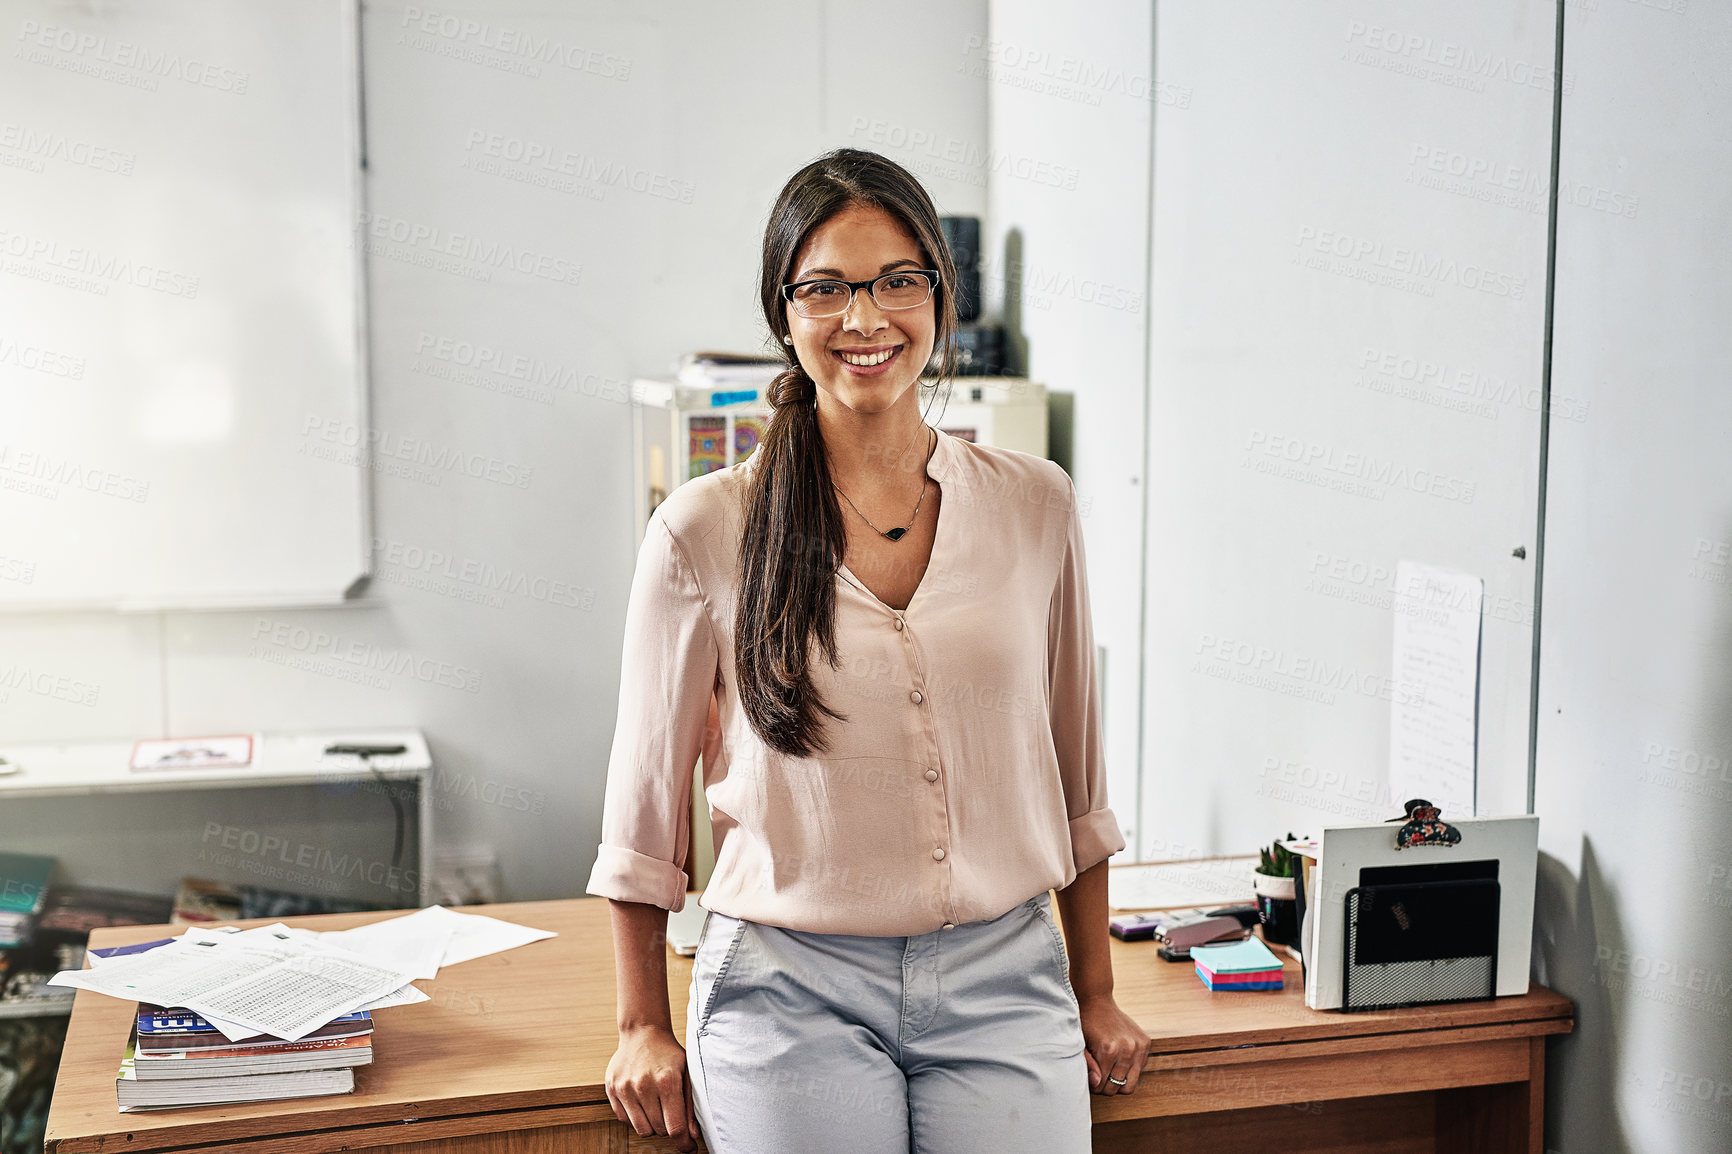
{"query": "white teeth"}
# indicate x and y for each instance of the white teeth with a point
(867, 361)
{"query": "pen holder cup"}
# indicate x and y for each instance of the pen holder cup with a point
(1277, 910)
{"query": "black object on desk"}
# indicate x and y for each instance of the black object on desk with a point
(1247, 914)
(1421, 942)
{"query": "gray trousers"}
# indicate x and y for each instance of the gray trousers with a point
(949, 1042)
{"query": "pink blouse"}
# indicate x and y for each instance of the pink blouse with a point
(968, 775)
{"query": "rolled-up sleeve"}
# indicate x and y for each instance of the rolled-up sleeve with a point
(667, 676)
(1075, 695)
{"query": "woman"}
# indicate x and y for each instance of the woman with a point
(878, 637)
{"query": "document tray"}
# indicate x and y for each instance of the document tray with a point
(1420, 943)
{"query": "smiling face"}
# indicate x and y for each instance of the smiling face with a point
(868, 357)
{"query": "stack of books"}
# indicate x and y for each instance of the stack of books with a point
(23, 890)
(177, 1058)
(1246, 965)
(73, 911)
(61, 930)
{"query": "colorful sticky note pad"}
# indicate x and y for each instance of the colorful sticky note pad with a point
(1250, 956)
(1246, 965)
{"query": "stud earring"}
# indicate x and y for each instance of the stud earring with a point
(787, 340)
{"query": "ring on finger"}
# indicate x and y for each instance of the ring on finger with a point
(1115, 1081)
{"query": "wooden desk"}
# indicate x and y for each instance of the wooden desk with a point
(510, 1054)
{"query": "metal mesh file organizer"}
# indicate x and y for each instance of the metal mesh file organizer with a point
(1418, 943)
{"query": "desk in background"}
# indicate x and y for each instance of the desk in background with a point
(509, 1055)
(144, 830)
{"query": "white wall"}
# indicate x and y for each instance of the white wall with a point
(1277, 132)
(1634, 758)
(506, 593)
(1070, 95)
(1346, 352)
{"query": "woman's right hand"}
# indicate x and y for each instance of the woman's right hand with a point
(647, 1084)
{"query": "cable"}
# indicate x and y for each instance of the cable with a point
(367, 753)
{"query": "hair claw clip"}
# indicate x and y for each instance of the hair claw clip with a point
(1425, 827)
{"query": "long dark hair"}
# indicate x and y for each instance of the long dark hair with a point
(793, 538)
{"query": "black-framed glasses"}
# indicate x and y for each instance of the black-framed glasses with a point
(903, 289)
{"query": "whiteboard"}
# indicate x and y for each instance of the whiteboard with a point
(182, 400)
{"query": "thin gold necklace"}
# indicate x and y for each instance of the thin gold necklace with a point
(896, 534)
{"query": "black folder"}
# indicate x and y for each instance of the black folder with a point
(1420, 943)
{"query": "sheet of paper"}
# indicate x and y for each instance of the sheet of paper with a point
(402, 996)
(414, 943)
(295, 996)
(184, 968)
(476, 936)
(266, 981)
(275, 932)
(1205, 882)
(1434, 709)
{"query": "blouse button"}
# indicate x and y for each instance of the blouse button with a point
(938, 854)
(932, 775)
(915, 697)
(899, 624)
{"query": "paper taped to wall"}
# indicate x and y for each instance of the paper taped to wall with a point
(1434, 709)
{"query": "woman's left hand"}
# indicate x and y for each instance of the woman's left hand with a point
(1113, 1043)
